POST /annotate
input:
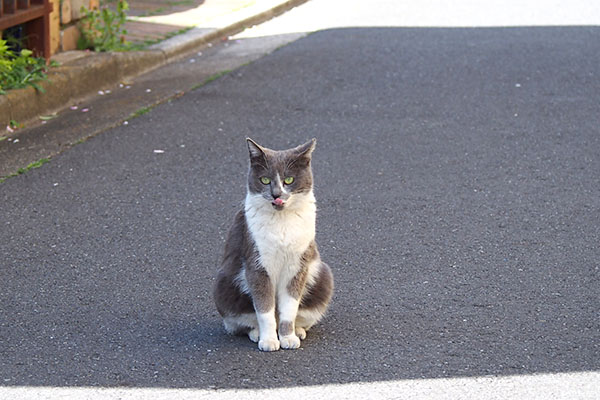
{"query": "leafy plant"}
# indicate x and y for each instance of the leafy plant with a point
(20, 69)
(102, 29)
(14, 125)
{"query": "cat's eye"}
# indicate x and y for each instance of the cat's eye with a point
(264, 180)
(289, 180)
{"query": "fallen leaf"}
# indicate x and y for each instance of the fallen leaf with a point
(48, 117)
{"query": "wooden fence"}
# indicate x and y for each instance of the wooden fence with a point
(35, 17)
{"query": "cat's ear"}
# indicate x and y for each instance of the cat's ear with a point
(305, 150)
(255, 149)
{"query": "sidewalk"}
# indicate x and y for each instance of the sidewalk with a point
(82, 73)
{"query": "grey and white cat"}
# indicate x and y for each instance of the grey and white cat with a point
(272, 284)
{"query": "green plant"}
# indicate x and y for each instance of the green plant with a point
(102, 29)
(33, 165)
(21, 69)
(140, 112)
(14, 125)
(20, 171)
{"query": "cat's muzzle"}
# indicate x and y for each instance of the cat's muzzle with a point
(278, 203)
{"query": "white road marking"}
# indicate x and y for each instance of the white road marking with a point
(567, 386)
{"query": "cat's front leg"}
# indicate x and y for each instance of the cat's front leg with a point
(288, 309)
(263, 297)
(267, 331)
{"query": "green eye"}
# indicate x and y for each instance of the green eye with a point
(289, 180)
(265, 180)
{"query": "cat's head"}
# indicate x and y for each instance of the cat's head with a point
(280, 177)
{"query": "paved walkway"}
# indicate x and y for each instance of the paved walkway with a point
(82, 74)
(155, 20)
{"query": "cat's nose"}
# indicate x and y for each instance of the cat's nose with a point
(276, 193)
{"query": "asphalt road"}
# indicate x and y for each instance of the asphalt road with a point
(457, 177)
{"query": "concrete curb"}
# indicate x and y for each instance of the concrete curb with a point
(82, 74)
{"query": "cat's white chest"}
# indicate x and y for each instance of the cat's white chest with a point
(281, 237)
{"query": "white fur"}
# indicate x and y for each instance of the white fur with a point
(241, 282)
(281, 237)
(288, 308)
(313, 273)
(279, 183)
(267, 331)
(243, 320)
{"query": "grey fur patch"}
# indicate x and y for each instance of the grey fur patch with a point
(263, 293)
(229, 299)
(319, 294)
(239, 252)
(286, 328)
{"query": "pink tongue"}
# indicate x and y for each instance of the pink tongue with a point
(278, 202)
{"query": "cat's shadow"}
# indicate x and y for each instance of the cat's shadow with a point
(210, 336)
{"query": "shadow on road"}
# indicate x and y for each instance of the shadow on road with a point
(457, 179)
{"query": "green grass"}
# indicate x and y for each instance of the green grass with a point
(140, 112)
(31, 166)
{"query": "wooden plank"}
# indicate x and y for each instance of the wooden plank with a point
(21, 16)
(46, 51)
(22, 4)
(34, 31)
(10, 6)
(38, 33)
(54, 26)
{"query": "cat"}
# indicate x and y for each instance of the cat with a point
(272, 284)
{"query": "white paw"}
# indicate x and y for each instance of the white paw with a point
(289, 342)
(268, 344)
(301, 333)
(253, 335)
